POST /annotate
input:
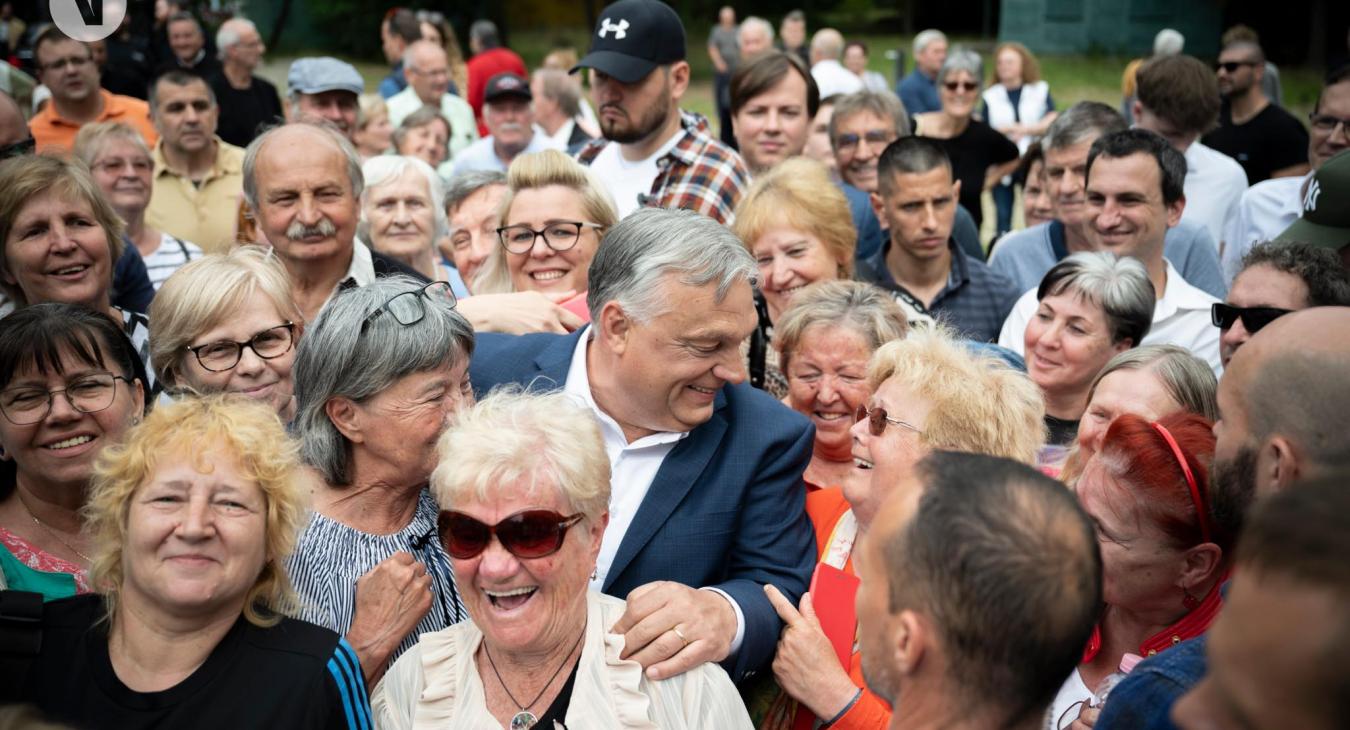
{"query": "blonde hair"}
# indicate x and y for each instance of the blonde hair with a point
(1031, 68)
(93, 138)
(839, 303)
(206, 292)
(978, 403)
(370, 106)
(540, 170)
(797, 193)
(511, 436)
(245, 429)
(24, 178)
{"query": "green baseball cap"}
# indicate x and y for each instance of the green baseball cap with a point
(1326, 207)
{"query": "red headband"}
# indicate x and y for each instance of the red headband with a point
(1200, 511)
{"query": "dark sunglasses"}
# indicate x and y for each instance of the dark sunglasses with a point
(535, 533)
(1253, 318)
(961, 85)
(877, 420)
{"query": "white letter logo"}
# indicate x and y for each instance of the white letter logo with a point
(620, 29)
(88, 20)
(1310, 197)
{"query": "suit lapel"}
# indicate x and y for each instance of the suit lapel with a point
(681, 467)
(553, 362)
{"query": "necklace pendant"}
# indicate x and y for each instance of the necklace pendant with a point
(523, 720)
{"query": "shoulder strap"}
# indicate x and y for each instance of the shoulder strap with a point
(759, 343)
(20, 635)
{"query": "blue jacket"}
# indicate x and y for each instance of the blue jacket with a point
(1143, 700)
(726, 509)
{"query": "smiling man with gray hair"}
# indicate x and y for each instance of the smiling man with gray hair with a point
(707, 503)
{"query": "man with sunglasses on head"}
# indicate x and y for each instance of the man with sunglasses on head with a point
(708, 499)
(1277, 278)
(1264, 138)
(66, 67)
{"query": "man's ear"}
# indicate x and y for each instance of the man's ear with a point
(1174, 211)
(878, 204)
(956, 190)
(679, 79)
(1283, 462)
(347, 417)
(614, 327)
(909, 642)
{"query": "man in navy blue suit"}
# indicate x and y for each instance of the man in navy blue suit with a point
(708, 499)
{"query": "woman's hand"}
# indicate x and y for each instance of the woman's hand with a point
(390, 600)
(1087, 718)
(519, 313)
(805, 664)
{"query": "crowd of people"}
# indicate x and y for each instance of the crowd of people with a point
(512, 398)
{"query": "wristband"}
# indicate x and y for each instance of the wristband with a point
(857, 696)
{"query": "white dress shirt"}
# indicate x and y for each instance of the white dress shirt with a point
(832, 78)
(1181, 317)
(1214, 185)
(1265, 210)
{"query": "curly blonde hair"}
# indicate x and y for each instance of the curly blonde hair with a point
(245, 429)
(797, 193)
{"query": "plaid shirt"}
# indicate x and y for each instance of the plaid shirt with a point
(699, 173)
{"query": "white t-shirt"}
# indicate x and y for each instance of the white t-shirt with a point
(1214, 184)
(1265, 210)
(832, 78)
(629, 179)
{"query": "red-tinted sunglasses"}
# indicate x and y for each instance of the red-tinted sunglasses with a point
(877, 419)
(534, 533)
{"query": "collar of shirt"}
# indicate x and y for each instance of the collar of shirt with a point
(113, 110)
(1193, 624)
(224, 163)
(685, 149)
(1179, 296)
(361, 270)
(558, 139)
(201, 54)
(578, 385)
(957, 276)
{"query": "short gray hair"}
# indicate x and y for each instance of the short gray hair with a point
(961, 59)
(465, 184)
(557, 85)
(925, 37)
(753, 23)
(827, 43)
(1078, 123)
(344, 147)
(229, 35)
(1118, 284)
(383, 169)
(1187, 379)
(881, 103)
(1168, 42)
(345, 355)
(424, 116)
(653, 242)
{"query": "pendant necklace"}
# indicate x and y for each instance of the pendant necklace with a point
(524, 719)
(49, 530)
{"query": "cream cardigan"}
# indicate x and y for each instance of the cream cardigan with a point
(435, 684)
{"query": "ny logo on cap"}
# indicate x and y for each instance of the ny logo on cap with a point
(1310, 197)
(620, 29)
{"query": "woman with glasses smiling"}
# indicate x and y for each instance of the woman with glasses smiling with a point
(553, 217)
(524, 484)
(378, 375)
(71, 384)
(227, 322)
(980, 156)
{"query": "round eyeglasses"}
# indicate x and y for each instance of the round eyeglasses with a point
(26, 404)
(558, 235)
(220, 356)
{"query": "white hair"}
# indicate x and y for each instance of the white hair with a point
(229, 34)
(382, 169)
(755, 23)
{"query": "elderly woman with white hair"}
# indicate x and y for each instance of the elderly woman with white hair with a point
(401, 214)
(980, 155)
(529, 481)
(1092, 306)
(378, 375)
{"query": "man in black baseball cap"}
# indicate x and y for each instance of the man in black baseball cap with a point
(509, 117)
(660, 156)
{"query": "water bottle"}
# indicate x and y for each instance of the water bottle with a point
(1127, 663)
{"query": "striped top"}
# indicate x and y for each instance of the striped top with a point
(331, 556)
(171, 254)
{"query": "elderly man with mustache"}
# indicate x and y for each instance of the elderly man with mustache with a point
(509, 116)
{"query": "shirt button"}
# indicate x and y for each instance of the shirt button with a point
(1151, 652)
(1175, 639)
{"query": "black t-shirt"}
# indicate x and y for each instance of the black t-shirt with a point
(1272, 140)
(1062, 432)
(292, 675)
(243, 111)
(973, 152)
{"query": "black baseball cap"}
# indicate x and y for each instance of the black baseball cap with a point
(507, 84)
(632, 38)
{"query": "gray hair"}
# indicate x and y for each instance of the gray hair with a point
(1118, 284)
(827, 43)
(344, 146)
(1168, 42)
(383, 169)
(1187, 379)
(1081, 122)
(418, 119)
(961, 59)
(229, 34)
(345, 354)
(485, 32)
(464, 185)
(649, 244)
(755, 23)
(557, 85)
(926, 37)
(410, 52)
(884, 104)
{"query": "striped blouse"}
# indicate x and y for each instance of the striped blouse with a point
(331, 556)
(171, 254)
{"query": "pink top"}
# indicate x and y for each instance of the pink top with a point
(38, 559)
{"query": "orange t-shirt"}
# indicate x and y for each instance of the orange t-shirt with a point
(52, 133)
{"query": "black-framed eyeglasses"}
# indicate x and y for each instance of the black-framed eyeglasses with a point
(530, 534)
(224, 355)
(18, 149)
(1253, 318)
(1328, 122)
(1232, 66)
(878, 419)
(409, 307)
(27, 404)
(558, 235)
(873, 138)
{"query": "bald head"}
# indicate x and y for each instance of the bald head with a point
(826, 44)
(12, 126)
(427, 69)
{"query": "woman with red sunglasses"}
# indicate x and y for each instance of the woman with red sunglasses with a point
(524, 484)
(1164, 555)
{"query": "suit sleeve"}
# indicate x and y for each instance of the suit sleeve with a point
(775, 545)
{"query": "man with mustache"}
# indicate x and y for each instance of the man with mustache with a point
(198, 177)
(653, 154)
(509, 115)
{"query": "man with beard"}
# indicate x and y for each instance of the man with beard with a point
(652, 153)
(197, 176)
(67, 68)
(1264, 138)
(1282, 405)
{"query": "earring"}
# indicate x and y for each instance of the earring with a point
(135, 420)
(1189, 601)
(594, 573)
